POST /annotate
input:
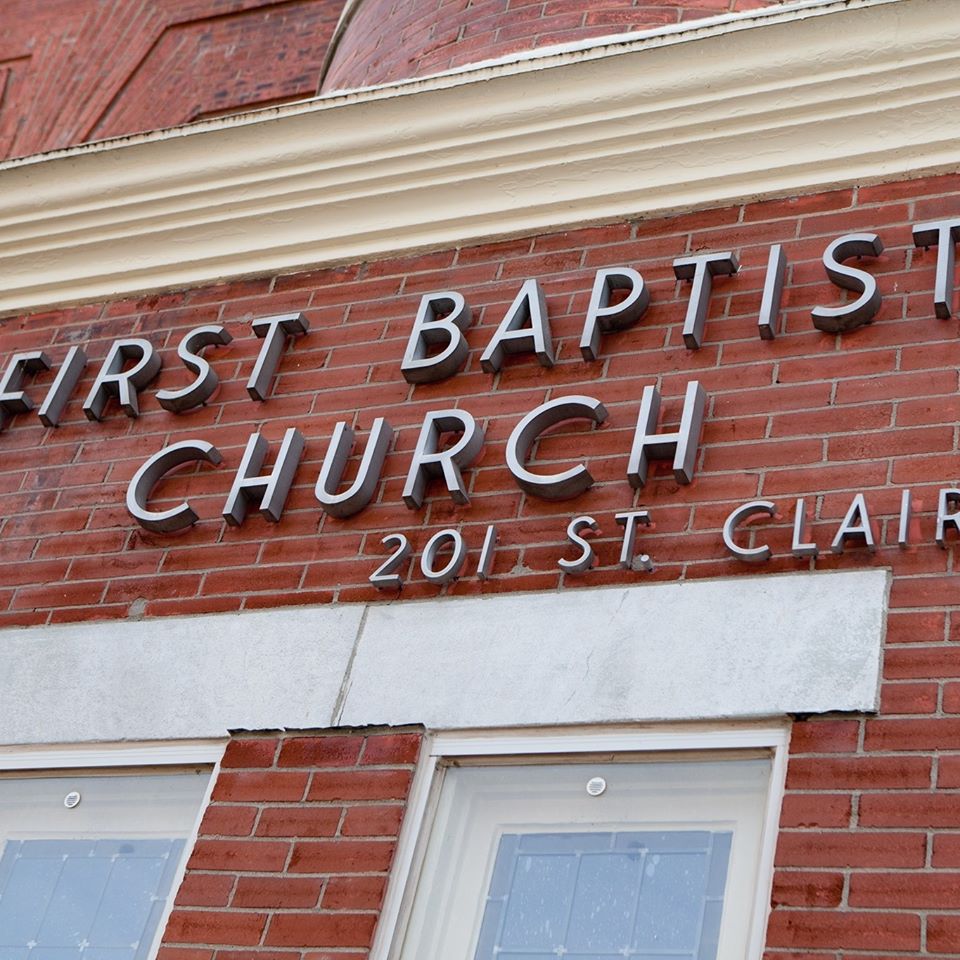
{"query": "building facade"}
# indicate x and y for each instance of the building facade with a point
(479, 480)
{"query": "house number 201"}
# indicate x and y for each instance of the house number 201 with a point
(387, 575)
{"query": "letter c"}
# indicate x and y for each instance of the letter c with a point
(150, 474)
(750, 554)
(551, 486)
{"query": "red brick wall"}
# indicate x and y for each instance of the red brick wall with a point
(78, 70)
(295, 847)
(396, 39)
(72, 71)
(809, 414)
(868, 858)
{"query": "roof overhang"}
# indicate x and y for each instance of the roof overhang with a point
(803, 98)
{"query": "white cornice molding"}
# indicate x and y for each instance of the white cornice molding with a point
(802, 100)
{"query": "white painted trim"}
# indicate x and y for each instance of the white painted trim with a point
(773, 736)
(625, 129)
(540, 58)
(190, 843)
(659, 737)
(411, 845)
(768, 850)
(180, 753)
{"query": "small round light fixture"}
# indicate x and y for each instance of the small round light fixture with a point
(72, 799)
(596, 786)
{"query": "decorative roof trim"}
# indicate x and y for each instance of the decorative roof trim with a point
(855, 92)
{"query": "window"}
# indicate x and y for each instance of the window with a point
(588, 847)
(91, 857)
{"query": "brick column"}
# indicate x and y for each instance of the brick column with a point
(295, 848)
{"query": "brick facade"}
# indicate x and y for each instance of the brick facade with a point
(390, 40)
(295, 847)
(168, 63)
(868, 859)
(197, 59)
(808, 415)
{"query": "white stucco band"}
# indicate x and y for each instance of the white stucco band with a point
(741, 647)
(176, 677)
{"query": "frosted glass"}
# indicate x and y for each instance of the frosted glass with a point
(601, 896)
(28, 887)
(541, 895)
(90, 900)
(603, 910)
(91, 881)
(128, 900)
(672, 899)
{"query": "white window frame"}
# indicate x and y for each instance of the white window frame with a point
(516, 745)
(130, 757)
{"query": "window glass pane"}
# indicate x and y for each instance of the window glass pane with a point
(606, 895)
(523, 861)
(91, 881)
(81, 897)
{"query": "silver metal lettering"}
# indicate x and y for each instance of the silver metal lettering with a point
(68, 376)
(13, 399)
(551, 486)
(582, 563)
(453, 567)
(865, 307)
(361, 491)
(114, 381)
(274, 331)
(429, 461)
(386, 577)
(906, 510)
(948, 498)
(942, 234)
(856, 523)
(604, 318)
(681, 444)
(271, 489)
(769, 318)
(629, 520)
(153, 471)
(188, 350)
(525, 327)
(798, 547)
(429, 330)
(757, 554)
(701, 269)
(486, 552)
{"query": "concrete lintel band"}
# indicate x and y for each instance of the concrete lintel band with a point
(773, 644)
